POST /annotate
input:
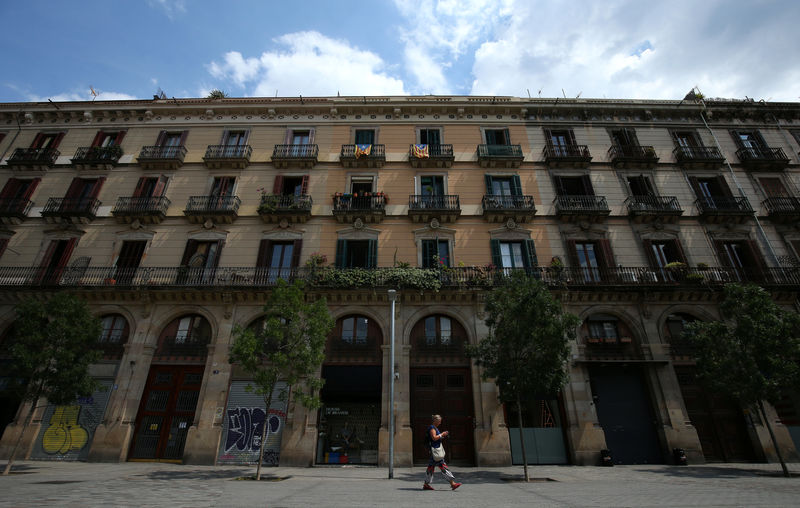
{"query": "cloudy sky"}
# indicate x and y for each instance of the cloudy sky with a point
(612, 49)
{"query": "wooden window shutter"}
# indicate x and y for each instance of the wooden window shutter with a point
(719, 245)
(220, 245)
(10, 188)
(529, 254)
(507, 137)
(74, 188)
(497, 258)
(571, 137)
(140, 186)
(188, 252)
(184, 135)
(488, 180)
(759, 266)
(37, 141)
(572, 252)
(587, 185)
(736, 138)
(297, 248)
(288, 137)
(246, 137)
(341, 253)
(31, 188)
(723, 185)
(120, 135)
(372, 254)
(311, 133)
(161, 186)
(277, 186)
(648, 251)
(428, 251)
(98, 138)
(560, 189)
(695, 186)
(98, 184)
(516, 186)
(162, 138)
(679, 251)
(304, 186)
(70, 246)
(57, 140)
(606, 252)
(264, 256)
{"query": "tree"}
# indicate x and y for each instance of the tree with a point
(527, 345)
(216, 93)
(53, 346)
(753, 354)
(289, 347)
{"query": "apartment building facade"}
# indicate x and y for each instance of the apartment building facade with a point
(174, 218)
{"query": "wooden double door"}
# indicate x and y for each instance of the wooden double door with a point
(166, 412)
(447, 392)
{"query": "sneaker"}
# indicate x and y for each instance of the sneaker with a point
(455, 486)
(425, 486)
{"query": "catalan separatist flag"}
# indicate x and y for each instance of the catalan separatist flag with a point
(421, 151)
(363, 150)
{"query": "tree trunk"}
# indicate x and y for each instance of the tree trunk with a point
(25, 424)
(522, 440)
(267, 404)
(774, 441)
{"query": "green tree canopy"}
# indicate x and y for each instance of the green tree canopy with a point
(527, 346)
(288, 347)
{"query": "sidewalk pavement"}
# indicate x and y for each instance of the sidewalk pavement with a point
(41, 483)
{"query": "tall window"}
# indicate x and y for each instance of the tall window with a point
(624, 137)
(115, 330)
(513, 254)
(193, 328)
(430, 137)
(686, 139)
(432, 185)
(356, 253)
(365, 136)
(354, 330)
(640, 186)
(435, 253)
(438, 330)
(574, 186)
(497, 136)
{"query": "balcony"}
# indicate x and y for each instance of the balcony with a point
(610, 349)
(275, 208)
(33, 159)
(300, 156)
(632, 156)
(784, 210)
(370, 209)
(182, 346)
(582, 208)
(566, 156)
(431, 156)
(227, 156)
(162, 157)
(763, 159)
(445, 208)
(502, 208)
(97, 157)
(431, 349)
(645, 209)
(698, 157)
(150, 210)
(500, 156)
(14, 211)
(363, 156)
(724, 209)
(70, 210)
(353, 349)
(217, 209)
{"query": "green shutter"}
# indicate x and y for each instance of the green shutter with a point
(428, 251)
(372, 254)
(488, 179)
(529, 254)
(516, 186)
(341, 253)
(497, 259)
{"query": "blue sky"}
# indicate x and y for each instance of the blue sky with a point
(613, 49)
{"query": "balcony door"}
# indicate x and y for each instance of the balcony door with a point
(560, 141)
(743, 257)
(713, 192)
(773, 187)
(276, 259)
(591, 258)
(16, 194)
(234, 142)
(429, 137)
(640, 186)
(510, 255)
(222, 192)
(356, 253)
(55, 260)
(130, 256)
(661, 253)
(435, 253)
(200, 260)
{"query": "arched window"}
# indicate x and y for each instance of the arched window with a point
(355, 338)
(115, 330)
(354, 330)
(673, 332)
(185, 336)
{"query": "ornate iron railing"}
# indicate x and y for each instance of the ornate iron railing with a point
(762, 155)
(632, 153)
(554, 152)
(228, 152)
(403, 278)
(15, 207)
(97, 154)
(156, 152)
(295, 152)
(581, 204)
(354, 346)
(434, 151)
(343, 204)
(271, 203)
(34, 155)
(71, 206)
(697, 154)
(778, 205)
(141, 206)
(375, 152)
(213, 204)
(504, 202)
(653, 204)
(500, 151)
(723, 204)
(443, 202)
(439, 345)
(182, 345)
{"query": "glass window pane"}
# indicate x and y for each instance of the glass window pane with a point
(347, 330)
(516, 249)
(505, 255)
(445, 333)
(430, 330)
(361, 330)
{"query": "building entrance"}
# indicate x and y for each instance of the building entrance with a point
(166, 412)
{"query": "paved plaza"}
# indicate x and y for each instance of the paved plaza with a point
(156, 484)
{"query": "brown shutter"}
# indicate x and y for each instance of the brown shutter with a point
(304, 185)
(572, 252)
(759, 266)
(719, 245)
(188, 252)
(98, 184)
(695, 186)
(288, 138)
(120, 135)
(57, 140)
(587, 185)
(723, 185)
(606, 252)
(74, 188)
(679, 250)
(184, 135)
(37, 141)
(162, 138)
(311, 132)
(3, 245)
(98, 138)
(296, 249)
(67, 252)
(264, 254)
(277, 186)
(220, 245)
(10, 188)
(48, 254)
(139, 190)
(161, 184)
(648, 250)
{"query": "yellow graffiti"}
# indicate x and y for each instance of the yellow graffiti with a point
(64, 433)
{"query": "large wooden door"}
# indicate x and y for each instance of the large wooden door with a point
(448, 392)
(166, 412)
(719, 422)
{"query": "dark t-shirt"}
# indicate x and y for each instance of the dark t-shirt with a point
(431, 442)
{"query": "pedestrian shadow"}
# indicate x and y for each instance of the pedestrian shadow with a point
(472, 477)
(707, 472)
(195, 474)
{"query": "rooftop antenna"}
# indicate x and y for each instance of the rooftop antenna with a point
(564, 93)
(540, 93)
(160, 94)
(94, 94)
(579, 94)
(276, 93)
(529, 92)
(301, 99)
(55, 106)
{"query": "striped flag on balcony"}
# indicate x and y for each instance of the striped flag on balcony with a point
(420, 151)
(363, 150)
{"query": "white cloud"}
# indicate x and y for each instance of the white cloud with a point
(171, 7)
(309, 63)
(629, 49)
(74, 96)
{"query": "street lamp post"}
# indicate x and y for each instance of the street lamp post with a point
(392, 298)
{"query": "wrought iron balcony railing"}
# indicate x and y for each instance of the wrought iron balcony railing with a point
(15, 207)
(632, 153)
(79, 207)
(213, 204)
(433, 152)
(38, 156)
(698, 154)
(141, 206)
(558, 152)
(375, 152)
(653, 205)
(228, 152)
(295, 152)
(97, 155)
(182, 345)
(439, 345)
(762, 156)
(723, 205)
(404, 278)
(157, 153)
(443, 202)
(500, 151)
(501, 202)
(782, 205)
(582, 204)
(363, 346)
(277, 203)
(361, 203)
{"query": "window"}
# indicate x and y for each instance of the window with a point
(105, 139)
(115, 330)
(191, 329)
(497, 136)
(354, 330)
(356, 253)
(365, 136)
(435, 253)
(55, 260)
(503, 185)
(712, 191)
(624, 137)
(513, 254)
(602, 326)
(749, 140)
(685, 139)
(591, 257)
(172, 139)
(640, 186)
(222, 188)
(574, 186)
(47, 140)
(16, 194)
(432, 185)
(150, 187)
(290, 185)
(743, 257)
(278, 257)
(200, 259)
(773, 187)
(429, 136)
(82, 191)
(438, 331)
(361, 184)
(560, 141)
(664, 252)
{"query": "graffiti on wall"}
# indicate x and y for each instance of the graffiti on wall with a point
(64, 433)
(246, 426)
